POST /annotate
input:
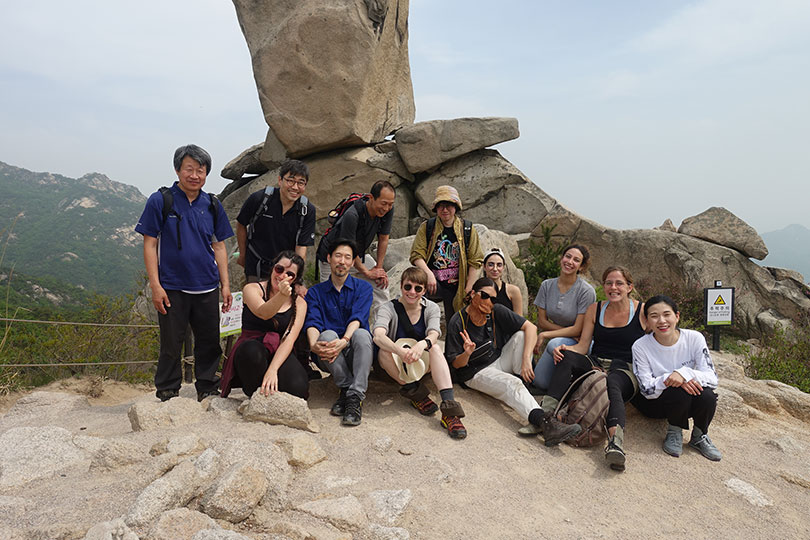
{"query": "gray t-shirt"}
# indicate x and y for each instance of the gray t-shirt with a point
(563, 309)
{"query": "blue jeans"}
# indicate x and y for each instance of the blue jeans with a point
(545, 365)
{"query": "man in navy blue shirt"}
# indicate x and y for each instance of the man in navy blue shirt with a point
(337, 329)
(186, 261)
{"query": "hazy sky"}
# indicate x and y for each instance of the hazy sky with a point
(630, 111)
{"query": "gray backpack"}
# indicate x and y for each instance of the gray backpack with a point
(587, 405)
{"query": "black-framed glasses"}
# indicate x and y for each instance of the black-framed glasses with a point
(416, 288)
(485, 295)
(278, 269)
(295, 182)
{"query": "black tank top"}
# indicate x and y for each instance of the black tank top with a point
(616, 343)
(277, 323)
(502, 298)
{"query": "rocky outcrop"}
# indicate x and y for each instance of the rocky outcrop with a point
(426, 145)
(345, 79)
(247, 162)
(721, 227)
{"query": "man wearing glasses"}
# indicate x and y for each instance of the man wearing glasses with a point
(273, 220)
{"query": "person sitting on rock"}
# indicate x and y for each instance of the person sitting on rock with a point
(487, 345)
(614, 326)
(337, 328)
(561, 305)
(413, 321)
(263, 358)
(508, 294)
(676, 378)
(448, 250)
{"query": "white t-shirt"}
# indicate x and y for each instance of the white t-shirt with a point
(689, 356)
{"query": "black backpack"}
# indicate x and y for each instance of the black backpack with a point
(431, 224)
(168, 209)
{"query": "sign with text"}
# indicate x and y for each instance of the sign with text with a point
(719, 306)
(230, 322)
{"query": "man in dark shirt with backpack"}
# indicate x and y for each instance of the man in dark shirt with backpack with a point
(276, 219)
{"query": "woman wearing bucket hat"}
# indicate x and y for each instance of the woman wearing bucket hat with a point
(406, 331)
(446, 247)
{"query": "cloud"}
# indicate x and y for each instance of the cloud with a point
(620, 84)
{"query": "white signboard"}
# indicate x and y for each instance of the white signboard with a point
(719, 306)
(230, 322)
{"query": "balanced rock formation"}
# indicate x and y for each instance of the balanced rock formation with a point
(719, 226)
(329, 74)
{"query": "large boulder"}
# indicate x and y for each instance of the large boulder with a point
(29, 453)
(425, 145)
(345, 78)
(492, 190)
(719, 226)
(248, 162)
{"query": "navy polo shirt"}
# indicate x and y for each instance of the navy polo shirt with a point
(193, 267)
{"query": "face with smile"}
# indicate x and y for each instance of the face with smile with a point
(284, 270)
(616, 287)
(292, 187)
(446, 212)
(571, 261)
(191, 176)
(664, 321)
(493, 267)
(482, 300)
(412, 292)
(340, 261)
(379, 206)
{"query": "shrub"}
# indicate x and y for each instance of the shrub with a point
(540, 263)
(784, 356)
(688, 297)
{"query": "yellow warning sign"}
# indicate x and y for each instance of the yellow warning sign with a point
(719, 301)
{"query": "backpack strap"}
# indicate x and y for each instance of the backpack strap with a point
(303, 202)
(429, 226)
(168, 209)
(268, 192)
(214, 206)
(405, 321)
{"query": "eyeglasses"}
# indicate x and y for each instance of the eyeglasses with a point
(278, 269)
(485, 295)
(416, 288)
(293, 182)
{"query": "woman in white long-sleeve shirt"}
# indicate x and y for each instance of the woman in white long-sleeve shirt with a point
(676, 378)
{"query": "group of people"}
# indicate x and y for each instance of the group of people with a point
(339, 323)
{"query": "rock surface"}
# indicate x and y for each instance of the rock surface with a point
(248, 162)
(280, 408)
(720, 226)
(29, 453)
(425, 145)
(181, 524)
(153, 415)
(345, 79)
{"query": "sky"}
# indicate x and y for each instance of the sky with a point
(630, 112)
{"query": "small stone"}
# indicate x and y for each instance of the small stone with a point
(383, 444)
(302, 450)
(389, 504)
(181, 524)
(236, 494)
(111, 530)
(185, 444)
(178, 411)
(227, 407)
(281, 408)
(345, 512)
(749, 492)
(117, 453)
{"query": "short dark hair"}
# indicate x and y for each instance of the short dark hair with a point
(194, 152)
(344, 242)
(294, 167)
(294, 258)
(586, 255)
(482, 282)
(660, 299)
(379, 185)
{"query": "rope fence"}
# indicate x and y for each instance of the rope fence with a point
(117, 325)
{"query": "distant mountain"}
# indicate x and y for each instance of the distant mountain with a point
(75, 230)
(788, 248)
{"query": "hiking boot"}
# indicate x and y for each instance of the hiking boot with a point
(208, 393)
(339, 406)
(166, 395)
(614, 453)
(454, 427)
(425, 406)
(530, 431)
(555, 432)
(703, 444)
(354, 411)
(673, 442)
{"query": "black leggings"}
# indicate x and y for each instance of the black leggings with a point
(251, 362)
(677, 407)
(620, 387)
(446, 294)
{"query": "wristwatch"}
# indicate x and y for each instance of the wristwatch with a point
(429, 344)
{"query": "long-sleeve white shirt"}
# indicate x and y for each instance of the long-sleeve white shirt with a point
(689, 356)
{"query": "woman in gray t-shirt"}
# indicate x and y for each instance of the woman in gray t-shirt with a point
(561, 305)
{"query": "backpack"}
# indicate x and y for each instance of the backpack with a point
(587, 405)
(431, 224)
(337, 212)
(168, 203)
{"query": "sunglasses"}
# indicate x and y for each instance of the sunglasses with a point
(278, 269)
(485, 295)
(416, 288)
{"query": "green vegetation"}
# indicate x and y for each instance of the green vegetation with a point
(688, 297)
(784, 356)
(540, 263)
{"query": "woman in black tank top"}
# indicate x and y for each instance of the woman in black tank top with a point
(508, 295)
(614, 326)
(262, 358)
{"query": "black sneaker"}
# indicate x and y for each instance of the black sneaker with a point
(354, 411)
(166, 395)
(202, 395)
(339, 407)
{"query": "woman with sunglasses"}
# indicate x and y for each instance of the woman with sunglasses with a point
(487, 345)
(407, 332)
(262, 358)
(507, 294)
(561, 305)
